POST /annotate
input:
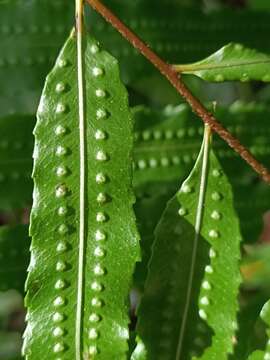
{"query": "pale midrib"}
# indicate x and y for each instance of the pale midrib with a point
(199, 67)
(78, 327)
(198, 224)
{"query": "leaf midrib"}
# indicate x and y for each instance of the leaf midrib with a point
(198, 225)
(82, 145)
(199, 67)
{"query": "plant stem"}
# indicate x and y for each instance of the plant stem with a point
(81, 115)
(175, 79)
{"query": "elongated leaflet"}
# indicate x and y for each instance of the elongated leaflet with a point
(110, 236)
(259, 354)
(231, 62)
(190, 301)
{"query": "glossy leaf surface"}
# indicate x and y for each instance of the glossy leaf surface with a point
(111, 239)
(173, 324)
(14, 254)
(231, 62)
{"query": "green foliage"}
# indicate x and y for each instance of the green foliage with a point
(86, 279)
(263, 355)
(232, 62)
(30, 42)
(111, 240)
(197, 234)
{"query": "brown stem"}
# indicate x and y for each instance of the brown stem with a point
(175, 79)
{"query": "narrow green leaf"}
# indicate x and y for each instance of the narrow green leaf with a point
(14, 255)
(250, 333)
(140, 352)
(148, 210)
(192, 284)
(264, 355)
(231, 62)
(110, 242)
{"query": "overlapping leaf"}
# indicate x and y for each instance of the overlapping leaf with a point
(231, 62)
(250, 333)
(110, 240)
(14, 255)
(264, 355)
(190, 302)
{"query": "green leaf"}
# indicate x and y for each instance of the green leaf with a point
(250, 333)
(16, 146)
(192, 284)
(264, 355)
(140, 352)
(148, 210)
(56, 292)
(14, 255)
(231, 62)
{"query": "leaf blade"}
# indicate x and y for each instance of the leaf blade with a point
(232, 62)
(169, 269)
(111, 242)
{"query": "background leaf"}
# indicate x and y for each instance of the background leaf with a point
(14, 254)
(32, 32)
(16, 146)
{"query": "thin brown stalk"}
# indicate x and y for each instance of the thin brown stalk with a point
(175, 79)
